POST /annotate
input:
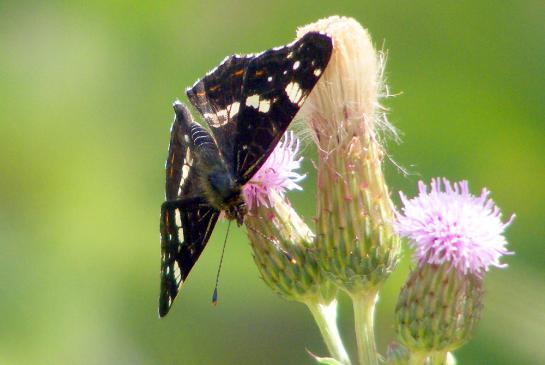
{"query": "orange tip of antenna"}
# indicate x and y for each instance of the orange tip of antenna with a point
(290, 258)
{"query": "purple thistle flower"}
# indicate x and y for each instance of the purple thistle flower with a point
(453, 226)
(276, 175)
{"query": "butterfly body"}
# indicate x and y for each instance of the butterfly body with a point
(214, 180)
(248, 103)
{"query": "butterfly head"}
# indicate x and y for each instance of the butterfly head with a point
(237, 212)
(226, 193)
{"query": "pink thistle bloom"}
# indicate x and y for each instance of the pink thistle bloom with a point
(453, 226)
(276, 175)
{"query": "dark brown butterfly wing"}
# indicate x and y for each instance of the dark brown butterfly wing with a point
(186, 226)
(187, 218)
(276, 84)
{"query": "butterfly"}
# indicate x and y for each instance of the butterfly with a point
(248, 103)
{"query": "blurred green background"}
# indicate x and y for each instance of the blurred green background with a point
(85, 110)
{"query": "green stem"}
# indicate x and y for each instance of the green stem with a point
(364, 312)
(439, 358)
(325, 316)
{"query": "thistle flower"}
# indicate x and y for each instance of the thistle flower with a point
(357, 243)
(454, 226)
(280, 239)
(278, 174)
(457, 237)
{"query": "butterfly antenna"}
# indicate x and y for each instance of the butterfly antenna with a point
(276, 244)
(215, 294)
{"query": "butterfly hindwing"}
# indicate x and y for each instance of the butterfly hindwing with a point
(249, 101)
(187, 218)
(186, 226)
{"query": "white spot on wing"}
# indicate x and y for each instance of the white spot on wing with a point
(253, 101)
(185, 174)
(233, 109)
(188, 162)
(177, 272)
(188, 158)
(217, 119)
(177, 218)
(296, 65)
(220, 118)
(264, 106)
(269, 79)
(222, 114)
(317, 72)
(294, 92)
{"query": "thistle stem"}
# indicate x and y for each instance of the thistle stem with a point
(439, 358)
(364, 312)
(325, 316)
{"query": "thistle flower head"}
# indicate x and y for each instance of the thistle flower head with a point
(277, 174)
(356, 242)
(437, 309)
(280, 240)
(282, 246)
(450, 225)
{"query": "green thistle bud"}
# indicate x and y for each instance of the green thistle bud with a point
(282, 247)
(357, 244)
(438, 308)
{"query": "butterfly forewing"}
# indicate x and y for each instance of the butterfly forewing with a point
(186, 226)
(276, 84)
(255, 106)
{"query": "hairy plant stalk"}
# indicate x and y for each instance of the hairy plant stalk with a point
(364, 313)
(325, 316)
